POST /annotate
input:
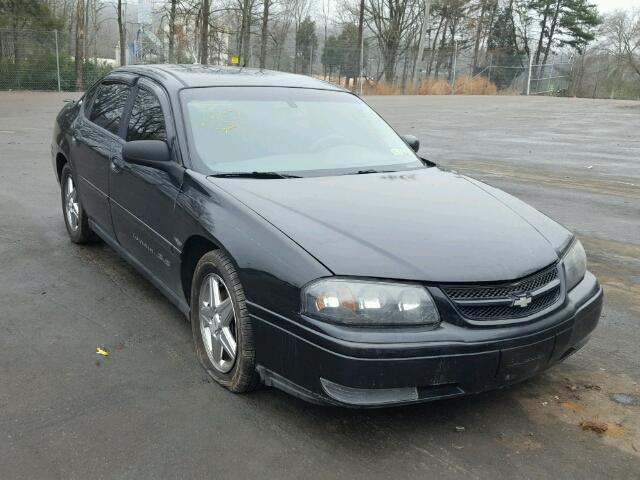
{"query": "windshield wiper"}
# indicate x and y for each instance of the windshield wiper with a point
(364, 172)
(253, 175)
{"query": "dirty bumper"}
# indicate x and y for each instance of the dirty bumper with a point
(329, 370)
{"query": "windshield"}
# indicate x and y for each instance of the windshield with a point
(289, 130)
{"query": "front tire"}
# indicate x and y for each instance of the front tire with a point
(222, 329)
(75, 218)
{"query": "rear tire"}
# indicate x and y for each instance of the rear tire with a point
(75, 218)
(222, 328)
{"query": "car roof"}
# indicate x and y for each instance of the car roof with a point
(187, 76)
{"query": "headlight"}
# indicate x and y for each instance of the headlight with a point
(369, 303)
(575, 264)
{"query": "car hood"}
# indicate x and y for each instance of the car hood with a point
(428, 225)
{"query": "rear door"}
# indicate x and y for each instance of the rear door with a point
(94, 141)
(143, 198)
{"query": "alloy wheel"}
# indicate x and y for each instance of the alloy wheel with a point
(72, 207)
(217, 323)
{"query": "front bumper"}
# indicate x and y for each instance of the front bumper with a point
(371, 369)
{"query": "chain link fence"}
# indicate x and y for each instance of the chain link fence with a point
(45, 60)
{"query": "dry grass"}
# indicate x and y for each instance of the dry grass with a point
(475, 86)
(434, 87)
(380, 88)
(464, 85)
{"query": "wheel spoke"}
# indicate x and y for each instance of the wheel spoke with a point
(69, 186)
(205, 320)
(228, 342)
(207, 338)
(225, 312)
(206, 309)
(215, 289)
(208, 297)
(216, 350)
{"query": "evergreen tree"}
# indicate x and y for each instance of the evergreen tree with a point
(564, 23)
(504, 50)
(306, 43)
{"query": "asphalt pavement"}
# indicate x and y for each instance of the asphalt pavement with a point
(149, 411)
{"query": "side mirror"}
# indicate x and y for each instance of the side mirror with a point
(412, 141)
(150, 153)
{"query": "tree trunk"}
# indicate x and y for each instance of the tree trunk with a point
(360, 44)
(479, 29)
(172, 32)
(432, 57)
(263, 36)
(204, 32)
(121, 35)
(442, 44)
(16, 52)
(423, 33)
(246, 32)
(552, 30)
(80, 27)
(543, 26)
(70, 35)
(85, 40)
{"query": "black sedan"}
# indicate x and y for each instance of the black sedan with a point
(309, 245)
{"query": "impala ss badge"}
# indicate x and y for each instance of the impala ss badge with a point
(522, 301)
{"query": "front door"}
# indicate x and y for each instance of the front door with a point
(142, 198)
(94, 139)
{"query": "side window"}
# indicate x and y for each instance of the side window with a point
(146, 121)
(108, 106)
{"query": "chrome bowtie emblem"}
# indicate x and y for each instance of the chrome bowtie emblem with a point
(522, 301)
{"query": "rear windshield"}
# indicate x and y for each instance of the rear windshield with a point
(289, 130)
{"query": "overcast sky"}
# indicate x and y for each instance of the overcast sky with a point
(609, 5)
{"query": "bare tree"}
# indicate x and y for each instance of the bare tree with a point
(390, 20)
(121, 35)
(421, 40)
(621, 31)
(279, 30)
(300, 12)
(264, 32)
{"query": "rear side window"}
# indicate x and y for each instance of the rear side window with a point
(146, 121)
(108, 105)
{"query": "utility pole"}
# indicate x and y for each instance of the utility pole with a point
(529, 76)
(361, 44)
(453, 70)
(57, 58)
(423, 33)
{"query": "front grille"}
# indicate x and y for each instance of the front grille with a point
(496, 301)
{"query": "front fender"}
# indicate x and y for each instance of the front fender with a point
(271, 266)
